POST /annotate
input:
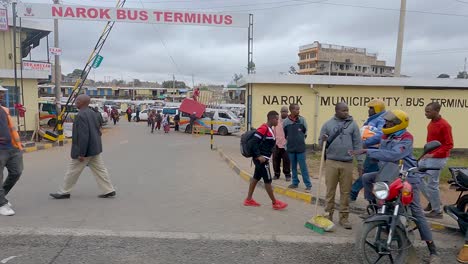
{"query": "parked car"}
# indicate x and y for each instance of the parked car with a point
(225, 122)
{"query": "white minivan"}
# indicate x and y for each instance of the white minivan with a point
(225, 122)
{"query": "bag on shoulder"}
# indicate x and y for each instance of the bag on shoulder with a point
(246, 151)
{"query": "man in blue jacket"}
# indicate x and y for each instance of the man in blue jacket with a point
(396, 145)
(376, 122)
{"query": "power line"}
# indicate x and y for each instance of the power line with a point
(163, 43)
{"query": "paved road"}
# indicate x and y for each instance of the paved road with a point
(177, 203)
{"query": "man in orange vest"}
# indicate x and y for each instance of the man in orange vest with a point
(11, 156)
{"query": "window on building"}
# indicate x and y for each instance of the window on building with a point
(341, 67)
(313, 55)
(364, 69)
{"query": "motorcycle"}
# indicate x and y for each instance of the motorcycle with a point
(388, 233)
(459, 210)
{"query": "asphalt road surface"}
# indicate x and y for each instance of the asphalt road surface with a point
(177, 202)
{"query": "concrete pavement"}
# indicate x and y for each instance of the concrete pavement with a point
(177, 202)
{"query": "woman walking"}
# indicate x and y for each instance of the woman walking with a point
(166, 123)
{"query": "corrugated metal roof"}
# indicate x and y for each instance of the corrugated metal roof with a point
(355, 81)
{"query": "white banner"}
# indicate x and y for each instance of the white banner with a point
(132, 15)
(55, 51)
(37, 66)
(3, 20)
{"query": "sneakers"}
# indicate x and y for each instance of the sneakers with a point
(288, 179)
(308, 189)
(435, 215)
(6, 210)
(428, 208)
(279, 205)
(251, 202)
(292, 186)
(463, 254)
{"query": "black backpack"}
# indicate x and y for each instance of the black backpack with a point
(244, 146)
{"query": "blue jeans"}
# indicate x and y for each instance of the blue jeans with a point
(370, 165)
(430, 185)
(301, 159)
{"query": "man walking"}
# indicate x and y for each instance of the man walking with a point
(261, 145)
(129, 114)
(371, 137)
(279, 152)
(138, 114)
(176, 122)
(86, 151)
(438, 129)
(342, 135)
(11, 156)
(295, 132)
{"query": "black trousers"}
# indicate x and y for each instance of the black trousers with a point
(280, 154)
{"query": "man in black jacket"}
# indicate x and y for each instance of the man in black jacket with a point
(86, 151)
(261, 144)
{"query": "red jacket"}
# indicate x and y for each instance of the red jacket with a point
(442, 131)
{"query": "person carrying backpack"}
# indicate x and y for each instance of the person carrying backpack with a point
(261, 144)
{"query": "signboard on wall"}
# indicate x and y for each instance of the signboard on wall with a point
(3, 20)
(132, 15)
(37, 66)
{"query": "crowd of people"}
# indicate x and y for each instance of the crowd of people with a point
(384, 137)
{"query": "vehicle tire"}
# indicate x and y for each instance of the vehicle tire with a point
(188, 129)
(52, 122)
(462, 205)
(223, 131)
(368, 246)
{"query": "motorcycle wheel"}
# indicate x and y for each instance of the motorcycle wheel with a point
(372, 245)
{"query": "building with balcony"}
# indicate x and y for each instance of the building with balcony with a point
(29, 72)
(326, 59)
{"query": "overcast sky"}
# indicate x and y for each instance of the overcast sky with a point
(434, 43)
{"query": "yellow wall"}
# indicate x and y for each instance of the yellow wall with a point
(31, 101)
(413, 101)
(144, 92)
(6, 48)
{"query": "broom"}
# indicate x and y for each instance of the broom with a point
(319, 223)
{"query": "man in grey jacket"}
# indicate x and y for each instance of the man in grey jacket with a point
(86, 151)
(342, 135)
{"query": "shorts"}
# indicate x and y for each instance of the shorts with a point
(262, 171)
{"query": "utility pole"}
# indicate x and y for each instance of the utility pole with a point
(401, 34)
(464, 67)
(173, 87)
(58, 72)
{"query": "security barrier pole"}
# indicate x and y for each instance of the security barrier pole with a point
(211, 134)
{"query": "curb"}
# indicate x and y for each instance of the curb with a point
(45, 146)
(306, 197)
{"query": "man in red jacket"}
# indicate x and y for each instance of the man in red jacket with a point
(438, 129)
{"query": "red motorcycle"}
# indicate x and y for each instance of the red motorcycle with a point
(388, 232)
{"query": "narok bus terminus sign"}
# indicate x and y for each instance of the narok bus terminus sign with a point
(149, 16)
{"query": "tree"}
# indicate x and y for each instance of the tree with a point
(292, 70)
(462, 75)
(169, 84)
(75, 73)
(136, 82)
(443, 75)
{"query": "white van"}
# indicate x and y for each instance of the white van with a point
(225, 122)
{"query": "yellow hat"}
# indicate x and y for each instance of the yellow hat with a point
(378, 105)
(397, 117)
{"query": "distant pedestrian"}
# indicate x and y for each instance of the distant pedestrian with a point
(99, 116)
(438, 129)
(138, 114)
(166, 124)
(261, 145)
(280, 153)
(159, 119)
(342, 135)
(152, 119)
(86, 151)
(193, 118)
(196, 94)
(176, 122)
(129, 114)
(11, 156)
(295, 132)
(114, 115)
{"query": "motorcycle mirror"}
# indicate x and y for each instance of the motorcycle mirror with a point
(430, 146)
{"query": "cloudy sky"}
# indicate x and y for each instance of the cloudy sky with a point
(435, 37)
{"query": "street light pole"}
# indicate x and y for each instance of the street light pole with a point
(401, 34)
